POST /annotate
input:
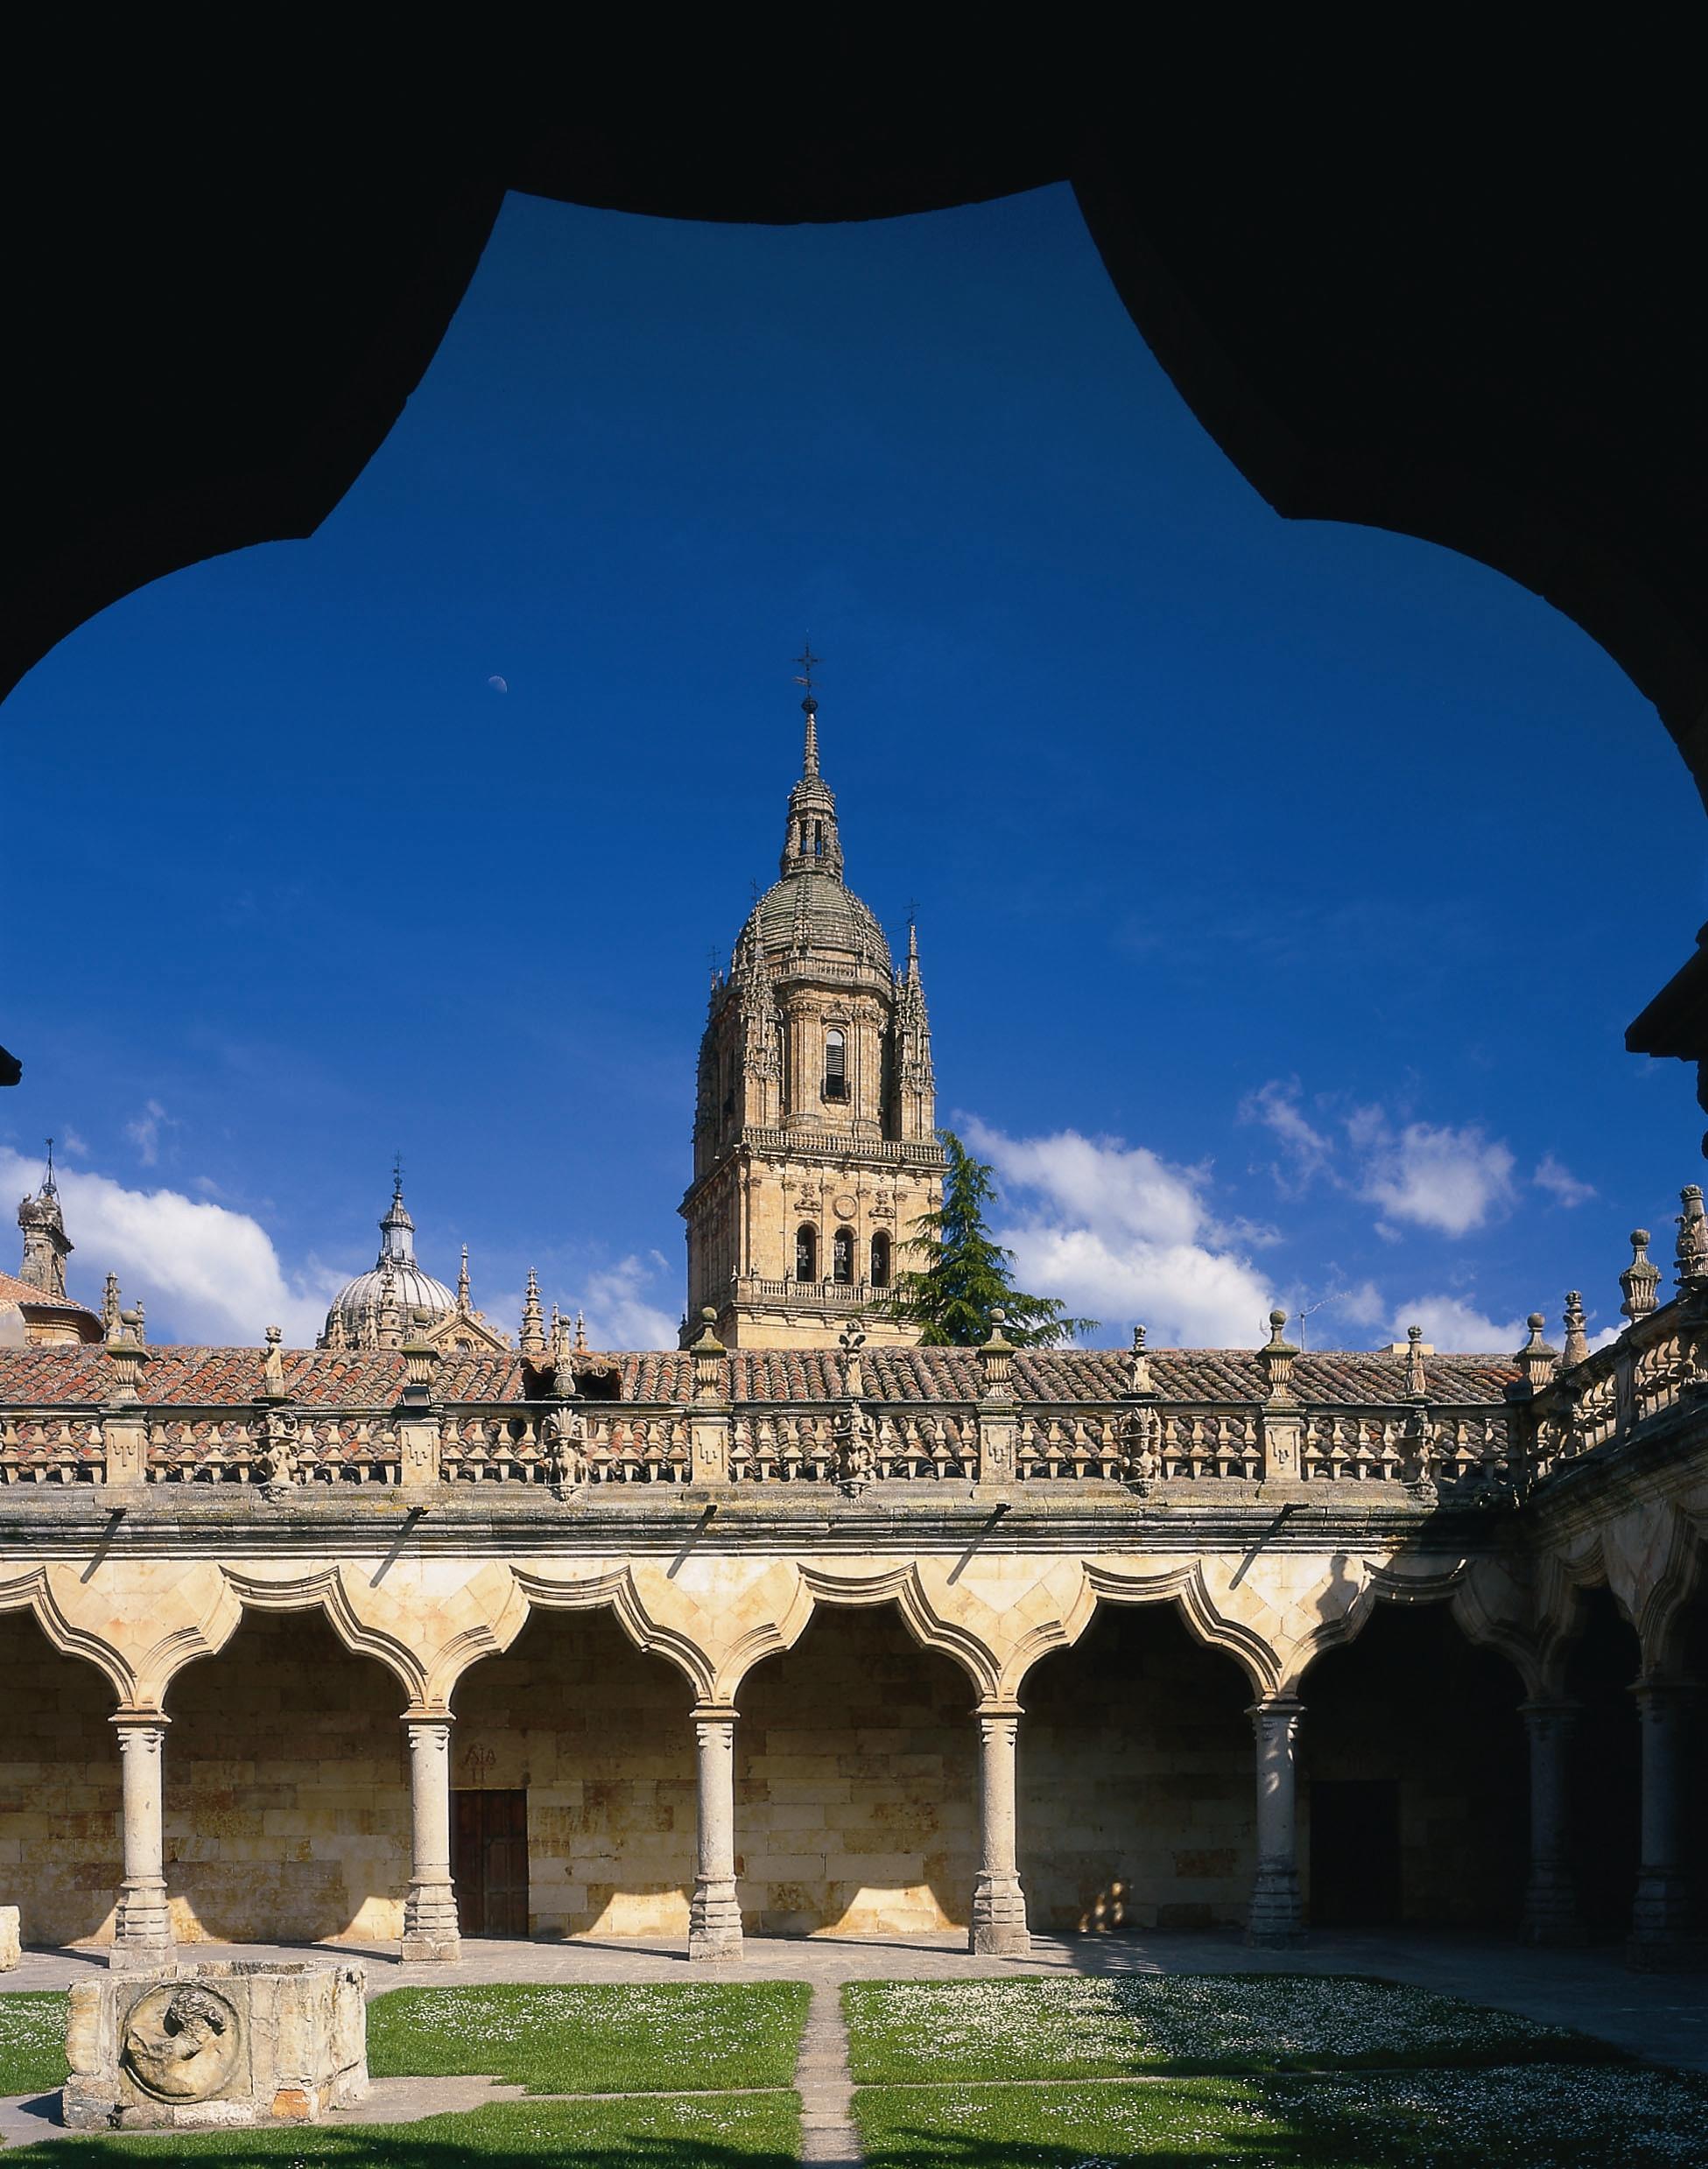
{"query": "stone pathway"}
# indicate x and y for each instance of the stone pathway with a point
(822, 2082)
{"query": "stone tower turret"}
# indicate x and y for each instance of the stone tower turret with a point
(815, 1142)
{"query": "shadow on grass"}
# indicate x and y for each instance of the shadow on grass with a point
(732, 2135)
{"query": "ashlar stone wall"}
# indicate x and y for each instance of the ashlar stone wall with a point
(599, 1736)
(1136, 1791)
(60, 1789)
(286, 1789)
(856, 1783)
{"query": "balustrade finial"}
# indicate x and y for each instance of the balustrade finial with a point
(1692, 1252)
(1417, 1383)
(1536, 1359)
(1276, 1357)
(1640, 1279)
(1576, 1334)
(1138, 1372)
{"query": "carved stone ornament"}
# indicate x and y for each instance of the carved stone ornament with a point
(564, 1434)
(182, 2042)
(1142, 1431)
(856, 1448)
(275, 1458)
(845, 1207)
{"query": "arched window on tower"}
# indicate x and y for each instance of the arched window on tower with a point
(879, 1261)
(841, 1258)
(806, 1253)
(818, 839)
(836, 1066)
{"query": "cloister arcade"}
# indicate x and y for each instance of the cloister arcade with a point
(855, 1757)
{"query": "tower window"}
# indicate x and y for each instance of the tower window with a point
(818, 839)
(836, 1066)
(806, 1253)
(879, 1261)
(842, 1257)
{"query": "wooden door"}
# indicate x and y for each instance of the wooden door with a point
(489, 1860)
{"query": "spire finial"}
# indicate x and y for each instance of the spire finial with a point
(398, 1177)
(808, 663)
(580, 1333)
(462, 1283)
(532, 1341)
(49, 1187)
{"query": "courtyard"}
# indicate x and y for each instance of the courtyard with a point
(906, 2050)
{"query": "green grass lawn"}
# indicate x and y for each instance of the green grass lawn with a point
(1120, 2027)
(33, 2041)
(1261, 2071)
(591, 2040)
(1514, 2116)
(684, 2131)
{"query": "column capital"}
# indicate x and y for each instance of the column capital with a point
(714, 1713)
(996, 1707)
(130, 1721)
(440, 1715)
(1665, 1690)
(1287, 1705)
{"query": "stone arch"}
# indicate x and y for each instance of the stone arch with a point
(1137, 1803)
(856, 1780)
(137, 1621)
(60, 1787)
(593, 1730)
(286, 1787)
(1414, 1772)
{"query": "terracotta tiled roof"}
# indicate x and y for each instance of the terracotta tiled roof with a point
(12, 1290)
(216, 1377)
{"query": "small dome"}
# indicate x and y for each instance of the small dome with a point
(823, 909)
(414, 1291)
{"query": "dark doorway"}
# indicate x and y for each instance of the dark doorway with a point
(1354, 1852)
(489, 1860)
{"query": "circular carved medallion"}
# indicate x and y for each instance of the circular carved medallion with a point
(845, 1208)
(181, 2042)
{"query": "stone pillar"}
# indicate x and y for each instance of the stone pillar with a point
(999, 1927)
(715, 1916)
(1277, 1915)
(1661, 1916)
(430, 1911)
(142, 1932)
(1551, 1897)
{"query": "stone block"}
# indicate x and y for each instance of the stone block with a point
(10, 1949)
(223, 2044)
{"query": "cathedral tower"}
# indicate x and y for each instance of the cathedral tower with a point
(815, 1138)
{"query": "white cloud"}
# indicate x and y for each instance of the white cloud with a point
(1450, 1180)
(1551, 1175)
(1116, 1233)
(1307, 1150)
(1363, 1305)
(1450, 1323)
(204, 1272)
(615, 1305)
(70, 1141)
(143, 1131)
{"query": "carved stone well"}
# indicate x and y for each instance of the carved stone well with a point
(224, 2043)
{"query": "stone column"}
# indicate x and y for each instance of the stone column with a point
(141, 1932)
(999, 1904)
(1661, 1922)
(715, 1916)
(1277, 1915)
(430, 1911)
(1551, 1897)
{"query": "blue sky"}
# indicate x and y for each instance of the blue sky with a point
(1283, 890)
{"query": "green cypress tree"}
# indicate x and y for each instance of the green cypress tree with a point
(966, 1276)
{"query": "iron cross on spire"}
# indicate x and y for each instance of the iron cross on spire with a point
(808, 663)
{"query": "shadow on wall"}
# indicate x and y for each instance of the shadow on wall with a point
(287, 1810)
(1136, 1791)
(1606, 1763)
(856, 1783)
(60, 1803)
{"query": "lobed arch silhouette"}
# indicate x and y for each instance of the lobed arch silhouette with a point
(1462, 311)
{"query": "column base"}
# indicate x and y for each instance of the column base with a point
(1277, 1918)
(999, 1928)
(1666, 1932)
(714, 1921)
(1550, 1917)
(141, 1932)
(431, 1931)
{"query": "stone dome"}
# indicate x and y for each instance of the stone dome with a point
(411, 1288)
(393, 1278)
(810, 909)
